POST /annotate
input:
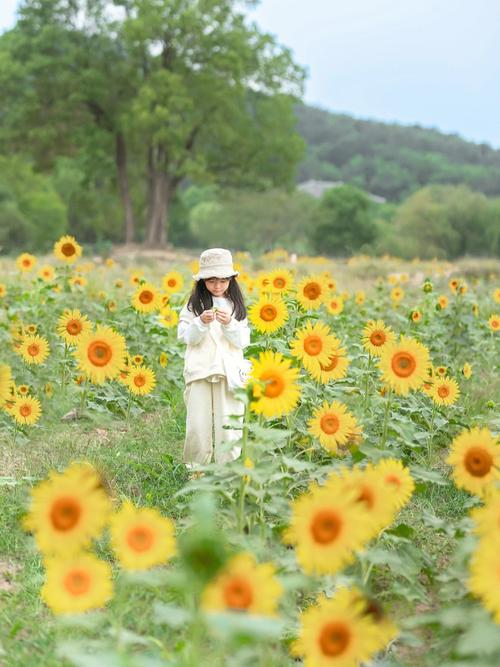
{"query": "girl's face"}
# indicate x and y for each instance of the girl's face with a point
(217, 286)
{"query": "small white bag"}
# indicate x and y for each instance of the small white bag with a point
(237, 374)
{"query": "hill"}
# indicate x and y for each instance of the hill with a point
(391, 160)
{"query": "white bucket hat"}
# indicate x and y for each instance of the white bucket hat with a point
(215, 263)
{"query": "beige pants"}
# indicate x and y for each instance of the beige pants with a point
(208, 407)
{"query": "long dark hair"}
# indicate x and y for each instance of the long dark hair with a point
(201, 298)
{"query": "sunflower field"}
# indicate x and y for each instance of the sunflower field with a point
(359, 526)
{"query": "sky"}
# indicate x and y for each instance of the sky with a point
(435, 63)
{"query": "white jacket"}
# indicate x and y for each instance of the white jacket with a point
(214, 349)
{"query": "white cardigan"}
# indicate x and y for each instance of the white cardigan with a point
(214, 349)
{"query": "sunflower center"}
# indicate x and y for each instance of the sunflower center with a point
(393, 479)
(325, 526)
(34, 349)
(274, 384)
(443, 392)
(26, 262)
(403, 364)
(99, 353)
(139, 380)
(334, 639)
(146, 296)
(329, 424)
(25, 410)
(65, 514)
(140, 538)
(68, 249)
(312, 291)
(313, 345)
(478, 461)
(377, 338)
(332, 363)
(77, 582)
(268, 313)
(172, 282)
(238, 593)
(74, 327)
(366, 496)
(279, 283)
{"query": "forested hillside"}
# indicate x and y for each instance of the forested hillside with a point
(392, 160)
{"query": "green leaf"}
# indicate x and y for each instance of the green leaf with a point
(170, 614)
(245, 626)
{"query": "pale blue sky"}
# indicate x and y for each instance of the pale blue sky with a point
(431, 62)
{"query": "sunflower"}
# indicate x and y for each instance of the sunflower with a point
(100, 354)
(336, 632)
(26, 410)
(3, 290)
(244, 586)
(453, 285)
(484, 580)
(169, 317)
(475, 457)
(487, 517)
(443, 302)
(34, 349)
(441, 371)
(31, 329)
(445, 391)
(334, 304)
(334, 369)
(25, 262)
(397, 294)
(77, 584)
(119, 284)
(494, 322)
(281, 392)
(360, 298)
(397, 480)
(47, 273)
(172, 282)
(496, 295)
(332, 424)
(163, 359)
(467, 370)
(268, 314)
(280, 281)
(146, 298)
(136, 359)
(67, 249)
(326, 527)
(78, 281)
(386, 630)
(313, 344)
(416, 316)
(370, 492)
(376, 335)
(141, 380)
(68, 509)
(311, 291)
(404, 365)
(71, 325)
(475, 310)
(136, 277)
(141, 537)
(262, 283)
(5, 383)
(23, 389)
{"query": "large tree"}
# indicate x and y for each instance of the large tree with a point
(188, 88)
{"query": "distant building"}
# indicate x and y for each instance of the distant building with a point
(318, 188)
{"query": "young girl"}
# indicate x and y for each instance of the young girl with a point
(214, 326)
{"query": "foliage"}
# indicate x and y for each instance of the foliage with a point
(389, 159)
(343, 223)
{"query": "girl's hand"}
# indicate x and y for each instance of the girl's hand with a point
(223, 317)
(207, 316)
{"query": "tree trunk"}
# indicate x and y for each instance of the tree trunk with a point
(123, 185)
(160, 198)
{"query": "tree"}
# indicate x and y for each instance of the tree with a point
(343, 223)
(215, 100)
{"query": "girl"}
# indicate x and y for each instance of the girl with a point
(214, 326)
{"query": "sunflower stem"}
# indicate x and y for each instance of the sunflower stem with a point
(15, 433)
(244, 442)
(63, 372)
(84, 397)
(386, 418)
(129, 402)
(367, 379)
(431, 434)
